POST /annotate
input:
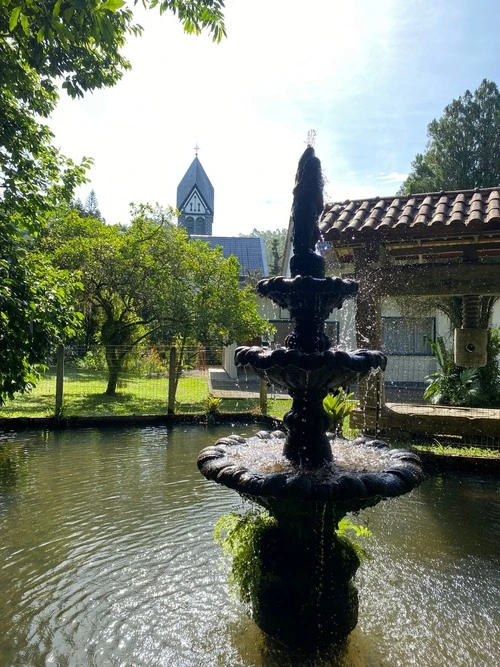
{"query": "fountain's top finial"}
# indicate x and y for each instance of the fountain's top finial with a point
(306, 208)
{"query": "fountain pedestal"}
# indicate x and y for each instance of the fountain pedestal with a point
(302, 592)
(305, 596)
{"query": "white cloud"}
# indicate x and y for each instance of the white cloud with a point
(393, 177)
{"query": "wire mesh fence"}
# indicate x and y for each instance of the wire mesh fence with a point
(149, 383)
(146, 384)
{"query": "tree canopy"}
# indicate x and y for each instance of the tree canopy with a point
(78, 43)
(274, 244)
(37, 310)
(45, 46)
(150, 281)
(463, 150)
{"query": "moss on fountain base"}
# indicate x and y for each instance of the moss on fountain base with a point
(295, 573)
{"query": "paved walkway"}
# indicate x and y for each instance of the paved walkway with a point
(247, 385)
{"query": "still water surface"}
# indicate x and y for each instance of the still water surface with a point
(107, 558)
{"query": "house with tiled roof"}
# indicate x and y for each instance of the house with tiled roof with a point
(437, 244)
(400, 248)
(433, 226)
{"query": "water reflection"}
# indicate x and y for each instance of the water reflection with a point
(107, 558)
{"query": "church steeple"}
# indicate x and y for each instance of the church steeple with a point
(195, 200)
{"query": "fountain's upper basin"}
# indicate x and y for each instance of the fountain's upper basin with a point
(287, 292)
(293, 369)
(363, 471)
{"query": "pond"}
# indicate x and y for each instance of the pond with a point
(107, 558)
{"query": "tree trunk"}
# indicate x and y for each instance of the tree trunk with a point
(114, 360)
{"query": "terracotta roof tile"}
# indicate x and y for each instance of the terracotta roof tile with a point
(427, 214)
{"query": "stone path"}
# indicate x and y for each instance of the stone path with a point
(246, 386)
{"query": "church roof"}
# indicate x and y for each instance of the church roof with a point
(195, 176)
(248, 250)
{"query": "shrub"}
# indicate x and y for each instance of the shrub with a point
(338, 407)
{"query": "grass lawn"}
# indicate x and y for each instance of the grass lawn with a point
(84, 395)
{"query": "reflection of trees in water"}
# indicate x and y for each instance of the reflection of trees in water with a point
(13, 464)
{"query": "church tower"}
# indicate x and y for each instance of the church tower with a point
(195, 200)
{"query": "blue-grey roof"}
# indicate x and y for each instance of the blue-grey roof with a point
(248, 250)
(195, 176)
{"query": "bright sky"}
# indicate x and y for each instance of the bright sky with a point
(366, 75)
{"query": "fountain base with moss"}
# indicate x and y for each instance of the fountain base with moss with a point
(298, 576)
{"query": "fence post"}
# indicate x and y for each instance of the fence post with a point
(59, 379)
(263, 397)
(172, 370)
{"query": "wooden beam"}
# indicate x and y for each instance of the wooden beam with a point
(438, 251)
(433, 279)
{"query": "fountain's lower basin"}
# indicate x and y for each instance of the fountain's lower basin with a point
(362, 472)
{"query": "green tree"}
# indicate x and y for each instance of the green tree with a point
(76, 44)
(91, 206)
(36, 312)
(150, 281)
(274, 244)
(463, 150)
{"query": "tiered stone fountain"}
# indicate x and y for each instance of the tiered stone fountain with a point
(305, 477)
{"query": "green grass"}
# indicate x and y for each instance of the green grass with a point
(438, 448)
(84, 395)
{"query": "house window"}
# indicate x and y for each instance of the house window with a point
(408, 335)
(200, 225)
(189, 225)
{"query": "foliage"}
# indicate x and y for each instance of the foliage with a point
(240, 537)
(213, 405)
(346, 528)
(92, 360)
(489, 375)
(91, 206)
(36, 312)
(463, 151)
(274, 244)
(338, 407)
(150, 281)
(74, 44)
(450, 385)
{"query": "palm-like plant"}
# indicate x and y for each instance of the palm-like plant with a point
(338, 407)
(451, 385)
